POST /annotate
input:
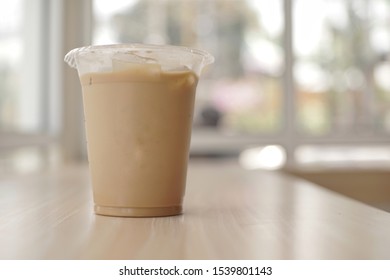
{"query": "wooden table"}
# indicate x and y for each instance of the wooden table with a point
(230, 213)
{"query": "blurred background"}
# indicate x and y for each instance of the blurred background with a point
(296, 83)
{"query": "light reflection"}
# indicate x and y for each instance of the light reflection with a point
(269, 157)
(339, 154)
(381, 76)
(311, 76)
(380, 39)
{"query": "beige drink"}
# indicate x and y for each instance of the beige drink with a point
(138, 105)
(138, 124)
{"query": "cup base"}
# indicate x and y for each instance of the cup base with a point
(138, 211)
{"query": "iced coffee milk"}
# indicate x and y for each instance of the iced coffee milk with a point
(138, 124)
(138, 106)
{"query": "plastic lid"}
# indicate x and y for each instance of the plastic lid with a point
(101, 58)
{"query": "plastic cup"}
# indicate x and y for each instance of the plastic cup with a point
(138, 106)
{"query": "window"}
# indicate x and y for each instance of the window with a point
(242, 96)
(341, 75)
(24, 55)
(29, 109)
(13, 107)
(291, 73)
(342, 67)
(292, 78)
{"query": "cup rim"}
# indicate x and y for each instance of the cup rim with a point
(72, 55)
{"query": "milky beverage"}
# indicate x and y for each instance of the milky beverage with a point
(138, 123)
(138, 104)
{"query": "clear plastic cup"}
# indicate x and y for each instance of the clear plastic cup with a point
(138, 105)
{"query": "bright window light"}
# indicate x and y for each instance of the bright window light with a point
(269, 157)
(308, 155)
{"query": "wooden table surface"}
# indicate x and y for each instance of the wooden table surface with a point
(230, 213)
